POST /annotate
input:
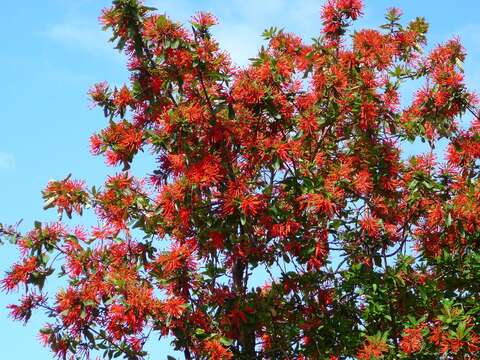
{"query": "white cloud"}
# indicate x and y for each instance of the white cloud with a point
(253, 11)
(7, 161)
(470, 40)
(80, 35)
(241, 22)
(79, 27)
(240, 40)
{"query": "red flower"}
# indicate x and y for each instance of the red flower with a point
(217, 351)
(363, 182)
(251, 205)
(121, 141)
(20, 273)
(374, 48)
(309, 124)
(174, 306)
(248, 91)
(368, 115)
(412, 340)
(99, 93)
(206, 172)
(204, 19)
(370, 226)
(372, 349)
(217, 240)
(66, 195)
(336, 12)
(122, 98)
(319, 203)
(180, 256)
(23, 311)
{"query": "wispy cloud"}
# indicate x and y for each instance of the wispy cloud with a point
(241, 22)
(83, 35)
(470, 40)
(241, 42)
(79, 28)
(7, 161)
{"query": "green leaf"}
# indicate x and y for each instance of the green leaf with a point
(459, 64)
(243, 219)
(448, 220)
(175, 44)
(199, 331)
(89, 303)
(277, 164)
(49, 203)
(89, 336)
(162, 20)
(121, 44)
(13, 239)
(226, 341)
(44, 258)
(231, 112)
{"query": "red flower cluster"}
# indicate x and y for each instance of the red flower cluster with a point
(372, 349)
(412, 340)
(66, 195)
(120, 142)
(336, 13)
(288, 172)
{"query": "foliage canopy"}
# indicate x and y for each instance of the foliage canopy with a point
(290, 169)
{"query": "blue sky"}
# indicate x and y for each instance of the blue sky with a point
(53, 50)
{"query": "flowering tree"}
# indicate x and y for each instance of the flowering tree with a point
(281, 221)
